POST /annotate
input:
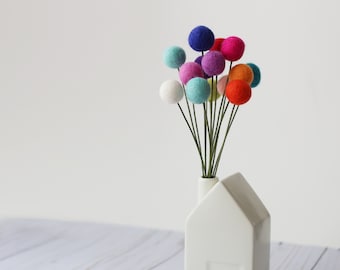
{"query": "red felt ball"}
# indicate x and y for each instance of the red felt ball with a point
(217, 44)
(238, 92)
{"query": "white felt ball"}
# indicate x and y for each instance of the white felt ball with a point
(171, 91)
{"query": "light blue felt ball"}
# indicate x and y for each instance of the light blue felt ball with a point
(197, 90)
(257, 75)
(174, 57)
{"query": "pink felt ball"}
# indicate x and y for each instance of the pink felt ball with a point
(190, 70)
(232, 48)
(213, 63)
(221, 84)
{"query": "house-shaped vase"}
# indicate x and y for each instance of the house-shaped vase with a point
(229, 229)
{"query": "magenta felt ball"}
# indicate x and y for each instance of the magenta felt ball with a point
(232, 48)
(190, 70)
(213, 63)
(201, 38)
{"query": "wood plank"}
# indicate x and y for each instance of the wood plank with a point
(330, 259)
(292, 257)
(58, 245)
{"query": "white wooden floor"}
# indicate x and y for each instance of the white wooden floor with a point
(57, 245)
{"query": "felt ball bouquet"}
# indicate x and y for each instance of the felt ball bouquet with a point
(213, 84)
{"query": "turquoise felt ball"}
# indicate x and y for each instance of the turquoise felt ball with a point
(201, 38)
(257, 75)
(174, 56)
(198, 90)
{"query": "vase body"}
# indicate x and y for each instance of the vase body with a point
(229, 229)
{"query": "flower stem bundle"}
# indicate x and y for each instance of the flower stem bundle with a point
(206, 90)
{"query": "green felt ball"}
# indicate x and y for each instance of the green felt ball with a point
(214, 94)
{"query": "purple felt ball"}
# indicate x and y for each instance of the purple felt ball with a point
(213, 63)
(201, 38)
(198, 60)
(232, 48)
(190, 70)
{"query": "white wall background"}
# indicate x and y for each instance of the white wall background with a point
(84, 135)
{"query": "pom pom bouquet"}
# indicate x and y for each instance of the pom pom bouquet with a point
(213, 83)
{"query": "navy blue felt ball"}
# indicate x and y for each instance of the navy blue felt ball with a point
(201, 38)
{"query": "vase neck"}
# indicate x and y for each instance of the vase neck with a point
(204, 185)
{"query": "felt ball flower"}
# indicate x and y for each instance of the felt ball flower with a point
(217, 44)
(214, 94)
(197, 90)
(174, 56)
(238, 92)
(221, 84)
(201, 38)
(213, 63)
(190, 70)
(241, 72)
(257, 75)
(171, 91)
(232, 48)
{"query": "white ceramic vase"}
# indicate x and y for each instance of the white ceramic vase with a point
(229, 229)
(204, 186)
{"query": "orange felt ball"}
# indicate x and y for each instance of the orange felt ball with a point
(238, 92)
(241, 72)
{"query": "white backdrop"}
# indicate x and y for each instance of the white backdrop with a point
(84, 135)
